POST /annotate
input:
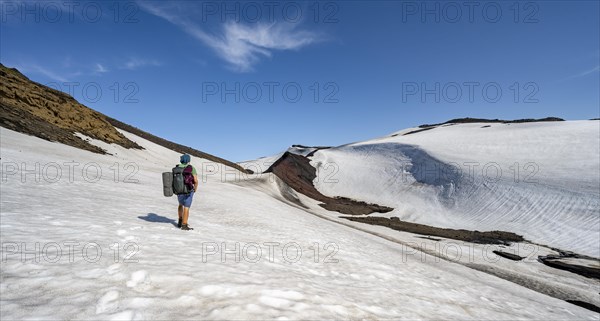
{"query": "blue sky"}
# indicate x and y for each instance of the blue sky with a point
(243, 80)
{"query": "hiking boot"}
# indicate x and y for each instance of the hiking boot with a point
(179, 223)
(185, 227)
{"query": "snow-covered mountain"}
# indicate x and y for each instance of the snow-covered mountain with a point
(539, 179)
(85, 245)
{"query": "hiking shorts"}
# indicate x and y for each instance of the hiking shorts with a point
(185, 199)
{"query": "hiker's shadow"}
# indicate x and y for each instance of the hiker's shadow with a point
(155, 218)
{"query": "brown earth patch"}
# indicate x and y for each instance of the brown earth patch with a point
(35, 109)
(509, 256)
(584, 269)
(491, 237)
(296, 171)
(23, 122)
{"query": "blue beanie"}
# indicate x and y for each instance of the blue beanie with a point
(185, 158)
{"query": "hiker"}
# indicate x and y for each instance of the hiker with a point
(185, 200)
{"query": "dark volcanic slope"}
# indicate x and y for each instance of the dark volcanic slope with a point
(588, 266)
(491, 237)
(296, 171)
(483, 120)
(32, 108)
(173, 146)
(468, 120)
(21, 121)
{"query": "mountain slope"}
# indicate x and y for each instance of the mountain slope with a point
(172, 274)
(34, 109)
(174, 146)
(539, 180)
(47, 113)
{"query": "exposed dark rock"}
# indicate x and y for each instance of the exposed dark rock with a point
(483, 120)
(21, 121)
(316, 150)
(35, 109)
(585, 267)
(419, 130)
(585, 305)
(509, 256)
(296, 171)
(491, 237)
(317, 147)
(427, 237)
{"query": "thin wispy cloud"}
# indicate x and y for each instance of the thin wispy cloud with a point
(49, 73)
(584, 73)
(242, 46)
(587, 72)
(69, 71)
(100, 69)
(136, 63)
(32, 68)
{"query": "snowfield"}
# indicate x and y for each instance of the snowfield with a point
(539, 180)
(84, 245)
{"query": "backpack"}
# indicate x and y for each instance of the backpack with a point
(183, 180)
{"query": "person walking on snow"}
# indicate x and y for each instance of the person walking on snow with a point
(185, 200)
